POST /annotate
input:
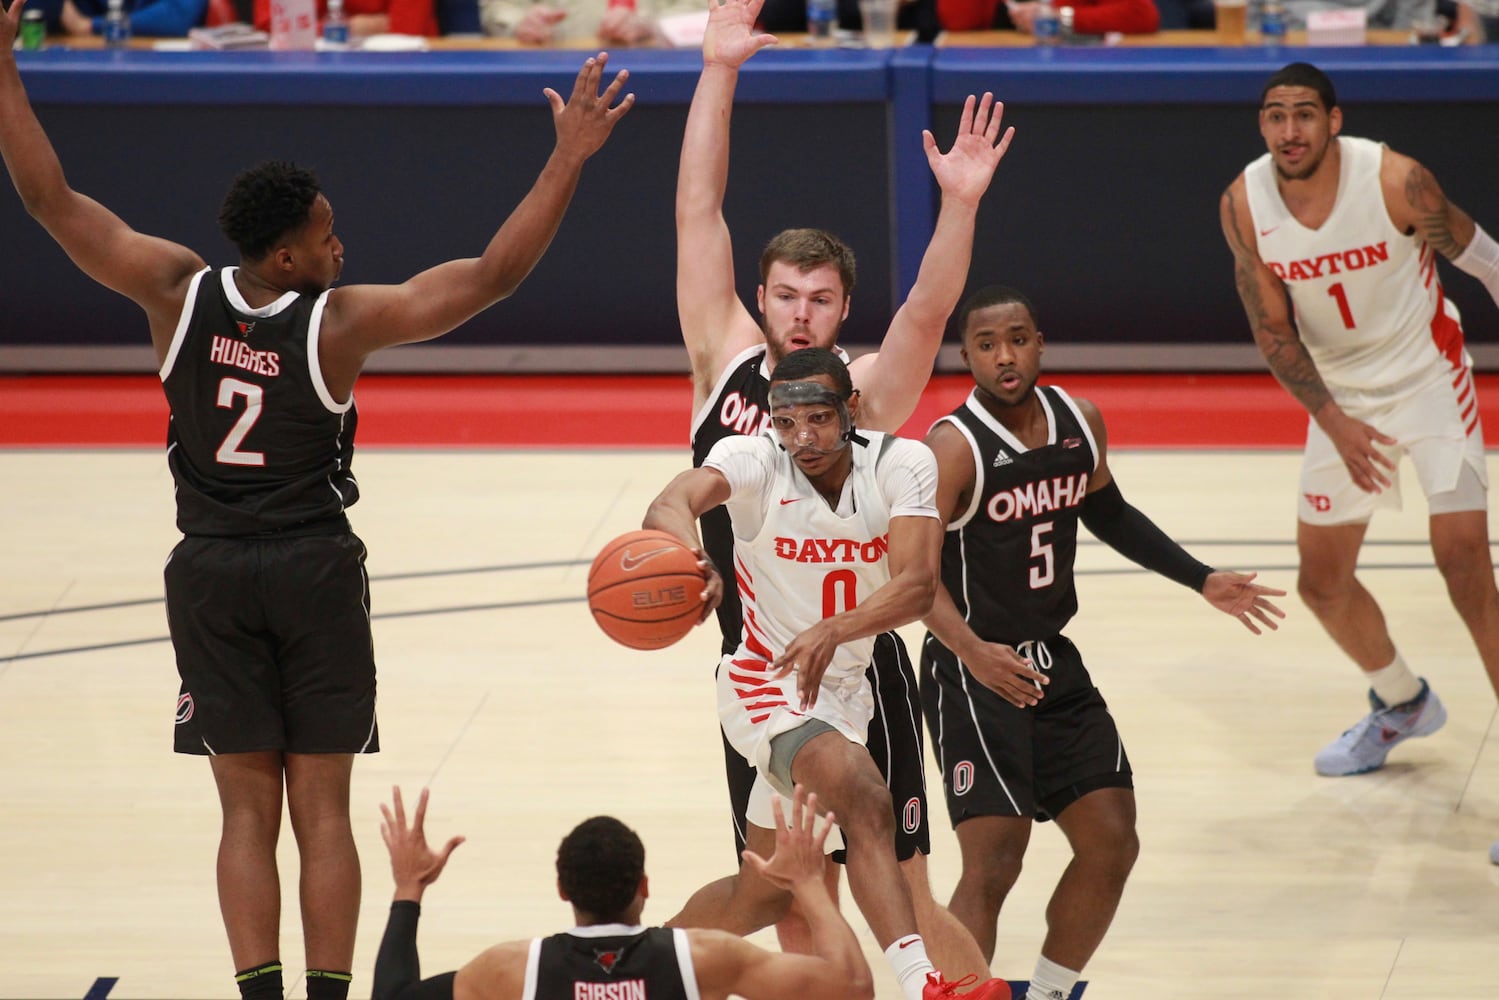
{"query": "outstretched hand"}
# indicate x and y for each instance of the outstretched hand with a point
(10, 25)
(799, 846)
(964, 172)
(730, 38)
(1237, 594)
(585, 120)
(414, 864)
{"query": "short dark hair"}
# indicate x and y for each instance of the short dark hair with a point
(993, 295)
(1301, 74)
(264, 204)
(810, 361)
(805, 249)
(599, 868)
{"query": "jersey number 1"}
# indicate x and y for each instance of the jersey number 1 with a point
(1341, 297)
(229, 452)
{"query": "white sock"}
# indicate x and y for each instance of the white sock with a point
(1050, 981)
(907, 956)
(1395, 684)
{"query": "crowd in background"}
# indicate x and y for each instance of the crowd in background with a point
(621, 23)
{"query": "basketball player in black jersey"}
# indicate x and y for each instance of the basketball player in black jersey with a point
(807, 277)
(1020, 732)
(609, 955)
(267, 597)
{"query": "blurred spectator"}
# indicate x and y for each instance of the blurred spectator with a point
(1480, 18)
(153, 18)
(1179, 15)
(610, 23)
(779, 16)
(1378, 13)
(372, 17)
(1090, 17)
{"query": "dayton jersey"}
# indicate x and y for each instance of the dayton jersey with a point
(1007, 559)
(611, 962)
(256, 442)
(1366, 296)
(796, 559)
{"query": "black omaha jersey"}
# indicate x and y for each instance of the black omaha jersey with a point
(739, 404)
(256, 443)
(611, 962)
(1007, 559)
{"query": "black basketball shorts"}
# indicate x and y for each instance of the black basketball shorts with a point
(999, 760)
(273, 645)
(895, 743)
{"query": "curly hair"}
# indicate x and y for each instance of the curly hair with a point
(264, 204)
(599, 868)
(805, 249)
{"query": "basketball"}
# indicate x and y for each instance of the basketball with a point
(645, 589)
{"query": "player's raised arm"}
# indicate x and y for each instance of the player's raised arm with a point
(152, 272)
(892, 380)
(361, 319)
(715, 324)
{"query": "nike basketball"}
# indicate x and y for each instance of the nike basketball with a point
(645, 589)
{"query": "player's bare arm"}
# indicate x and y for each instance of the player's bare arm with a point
(1275, 334)
(1417, 204)
(361, 319)
(152, 272)
(892, 380)
(676, 510)
(836, 965)
(915, 559)
(996, 666)
(1235, 594)
(715, 323)
(1422, 207)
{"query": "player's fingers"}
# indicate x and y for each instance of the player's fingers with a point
(965, 122)
(399, 806)
(421, 811)
(450, 847)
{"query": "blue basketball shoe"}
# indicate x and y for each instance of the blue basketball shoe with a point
(1365, 747)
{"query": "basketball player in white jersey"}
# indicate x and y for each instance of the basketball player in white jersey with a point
(609, 955)
(1335, 242)
(836, 540)
(807, 277)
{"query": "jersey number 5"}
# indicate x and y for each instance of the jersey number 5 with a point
(229, 452)
(1046, 572)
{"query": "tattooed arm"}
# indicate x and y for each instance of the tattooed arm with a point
(1417, 205)
(1269, 312)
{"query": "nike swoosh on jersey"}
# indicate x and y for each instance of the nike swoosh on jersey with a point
(784, 502)
(1267, 232)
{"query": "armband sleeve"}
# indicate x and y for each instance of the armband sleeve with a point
(398, 968)
(1481, 260)
(1134, 536)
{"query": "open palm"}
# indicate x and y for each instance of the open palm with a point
(965, 170)
(730, 37)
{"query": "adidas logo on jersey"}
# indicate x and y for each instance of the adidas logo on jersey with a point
(1003, 458)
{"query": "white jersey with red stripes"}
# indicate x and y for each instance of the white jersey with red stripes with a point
(1366, 296)
(798, 559)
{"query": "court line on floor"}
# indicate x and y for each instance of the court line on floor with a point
(580, 598)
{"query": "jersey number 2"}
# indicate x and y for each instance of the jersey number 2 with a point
(229, 452)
